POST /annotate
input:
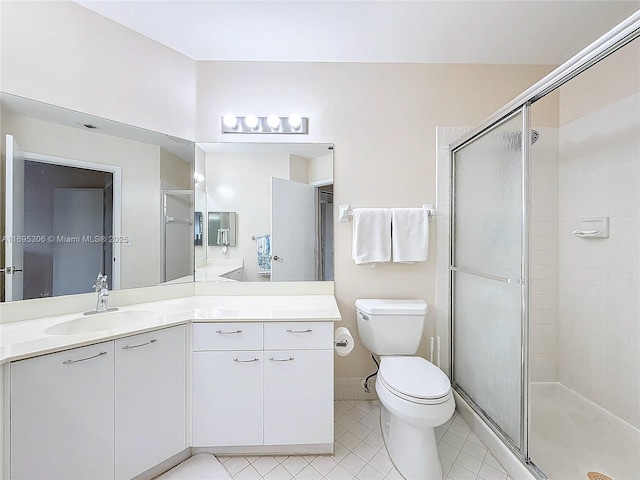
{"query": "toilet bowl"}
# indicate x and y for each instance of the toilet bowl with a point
(416, 395)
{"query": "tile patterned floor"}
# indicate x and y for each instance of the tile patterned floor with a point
(360, 453)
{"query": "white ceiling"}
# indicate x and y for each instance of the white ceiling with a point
(544, 32)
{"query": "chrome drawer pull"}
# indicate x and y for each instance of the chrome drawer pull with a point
(283, 360)
(245, 361)
(69, 362)
(228, 333)
(127, 347)
(300, 331)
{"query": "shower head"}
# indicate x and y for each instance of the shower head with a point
(534, 136)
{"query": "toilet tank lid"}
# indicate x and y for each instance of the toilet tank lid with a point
(389, 306)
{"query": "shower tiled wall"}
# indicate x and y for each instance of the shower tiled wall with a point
(599, 312)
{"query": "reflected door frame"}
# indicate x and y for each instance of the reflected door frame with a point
(114, 283)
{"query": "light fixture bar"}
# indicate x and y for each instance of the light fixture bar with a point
(294, 124)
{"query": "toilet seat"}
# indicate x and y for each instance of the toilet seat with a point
(414, 379)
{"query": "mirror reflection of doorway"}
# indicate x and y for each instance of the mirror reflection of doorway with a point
(71, 210)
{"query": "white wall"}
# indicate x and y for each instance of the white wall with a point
(64, 54)
(241, 183)
(378, 161)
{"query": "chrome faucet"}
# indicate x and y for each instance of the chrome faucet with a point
(101, 287)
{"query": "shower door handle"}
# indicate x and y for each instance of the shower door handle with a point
(485, 275)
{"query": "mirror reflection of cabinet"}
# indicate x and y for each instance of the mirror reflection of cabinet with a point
(222, 229)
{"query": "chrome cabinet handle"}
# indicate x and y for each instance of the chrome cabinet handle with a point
(278, 259)
(300, 331)
(245, 361)
(69, 362)
(283, 360)
(228, 333)
(127, 347)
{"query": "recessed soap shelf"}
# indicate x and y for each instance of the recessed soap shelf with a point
(595, 227)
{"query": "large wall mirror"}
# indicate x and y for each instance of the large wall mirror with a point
(281, 196)
(84, 195)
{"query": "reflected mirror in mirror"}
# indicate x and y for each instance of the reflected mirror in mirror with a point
(86, 196)
(222, 229)
(283, 197)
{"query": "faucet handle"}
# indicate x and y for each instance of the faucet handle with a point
(100, 282)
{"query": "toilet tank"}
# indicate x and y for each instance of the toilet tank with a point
(391, 326)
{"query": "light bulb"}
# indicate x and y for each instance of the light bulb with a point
(230, 121)
(295, 121)
(273, 121)
(251, 121)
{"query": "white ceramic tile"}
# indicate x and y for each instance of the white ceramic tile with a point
(370, 473)
(339, 473)
(353, 463)
(234, 464)
(278, 473)
(247, 473)
(381, 463)
(368, 459)
(365, 451)
(294, 464)
(324, 464)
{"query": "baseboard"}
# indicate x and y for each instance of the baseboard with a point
(245, 450)
(351, 389)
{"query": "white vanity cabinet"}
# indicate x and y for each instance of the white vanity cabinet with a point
(110, 410)
(227, 384)
(298, 383)
(263, 385)
(62, 415)
(150, 399)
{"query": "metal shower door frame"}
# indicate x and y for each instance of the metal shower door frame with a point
(522, 451)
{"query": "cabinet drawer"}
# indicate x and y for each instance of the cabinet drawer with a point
(227, 336)
(298, 335)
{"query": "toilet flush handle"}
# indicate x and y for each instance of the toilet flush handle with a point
(364, 316)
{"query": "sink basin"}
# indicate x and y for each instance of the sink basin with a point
(100, 322)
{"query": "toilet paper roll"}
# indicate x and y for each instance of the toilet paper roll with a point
(343, 341)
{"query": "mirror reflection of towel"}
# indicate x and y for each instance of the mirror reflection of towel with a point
(223, 236)
(263, 250)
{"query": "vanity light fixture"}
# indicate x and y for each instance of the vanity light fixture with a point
(269, 124)
(230, 121)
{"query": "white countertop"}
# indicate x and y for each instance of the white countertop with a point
(19, 340)
(216, 269)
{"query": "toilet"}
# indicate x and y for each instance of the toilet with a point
(416, 395)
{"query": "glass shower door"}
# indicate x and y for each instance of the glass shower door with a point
(487, 269)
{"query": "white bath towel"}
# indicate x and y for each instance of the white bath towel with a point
(410, 234)
(371, 235)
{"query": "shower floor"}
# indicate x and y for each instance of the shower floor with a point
(571, 436)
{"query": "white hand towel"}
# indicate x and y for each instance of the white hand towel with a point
(371, 235)
(410, 234)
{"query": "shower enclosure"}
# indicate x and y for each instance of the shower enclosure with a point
(545, 267)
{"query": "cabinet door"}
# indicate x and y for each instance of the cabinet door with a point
(150, 399)
(227, 398)
(298, 397)
(62, 415)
